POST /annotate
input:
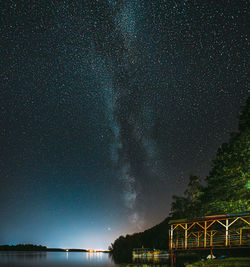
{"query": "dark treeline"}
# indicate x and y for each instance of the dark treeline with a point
(23, 247)
(77, 250)
(227, 190)
(155, 237)
(31, 247)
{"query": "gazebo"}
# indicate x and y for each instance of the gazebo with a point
(216, 231)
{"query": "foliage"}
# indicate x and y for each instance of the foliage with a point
(227, 189)
(239, 262)
(186, 206)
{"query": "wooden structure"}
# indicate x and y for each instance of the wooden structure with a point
(149, 253)
(217, 231)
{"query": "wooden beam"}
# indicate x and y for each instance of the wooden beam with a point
(200, 225)
(191, 225)
(198, 241)
(179, 225)
(245, 221)
(175, 226)
(233, 222)
(221, 223)
(211, 223)
(214, 232)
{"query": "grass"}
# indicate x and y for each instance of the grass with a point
(228, 262)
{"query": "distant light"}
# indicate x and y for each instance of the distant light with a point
(66, 250)
(98, 250)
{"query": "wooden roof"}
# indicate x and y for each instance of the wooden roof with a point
(210, 218)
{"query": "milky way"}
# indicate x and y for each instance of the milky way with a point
(107, 107)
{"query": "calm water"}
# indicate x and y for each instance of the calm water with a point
(58, 259)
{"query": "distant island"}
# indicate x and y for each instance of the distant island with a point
(31, 247)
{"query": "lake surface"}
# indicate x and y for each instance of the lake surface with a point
(58, 259)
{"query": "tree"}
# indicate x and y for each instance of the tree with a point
(227, 188)
(187, 205)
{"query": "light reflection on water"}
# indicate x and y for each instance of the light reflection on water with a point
(70, 259)
(46, 259)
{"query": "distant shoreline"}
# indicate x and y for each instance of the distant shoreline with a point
(35, 248)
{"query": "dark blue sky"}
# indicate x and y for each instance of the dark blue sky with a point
(106, 107)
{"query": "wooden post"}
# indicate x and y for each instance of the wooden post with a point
(211, 239)
(171, 237)
(171, 231)
(186, 236)
(226, 232)
(198, 241)
(211, 253)
(172, 258)
(205, 235)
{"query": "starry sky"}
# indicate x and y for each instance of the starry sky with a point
(107, 107)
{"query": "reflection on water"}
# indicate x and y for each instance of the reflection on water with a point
(55, 259)
(72, 259)
(21, 256)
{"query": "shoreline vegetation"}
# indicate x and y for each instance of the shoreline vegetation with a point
(226, 191)
(31, 247)
(237, 261)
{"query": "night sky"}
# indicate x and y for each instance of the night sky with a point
(107, 107)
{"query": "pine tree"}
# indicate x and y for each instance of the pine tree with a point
(188, 205)
(227, 188)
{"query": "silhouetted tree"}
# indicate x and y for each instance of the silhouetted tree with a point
(156, 237)
(228, 189)
(187, 205)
